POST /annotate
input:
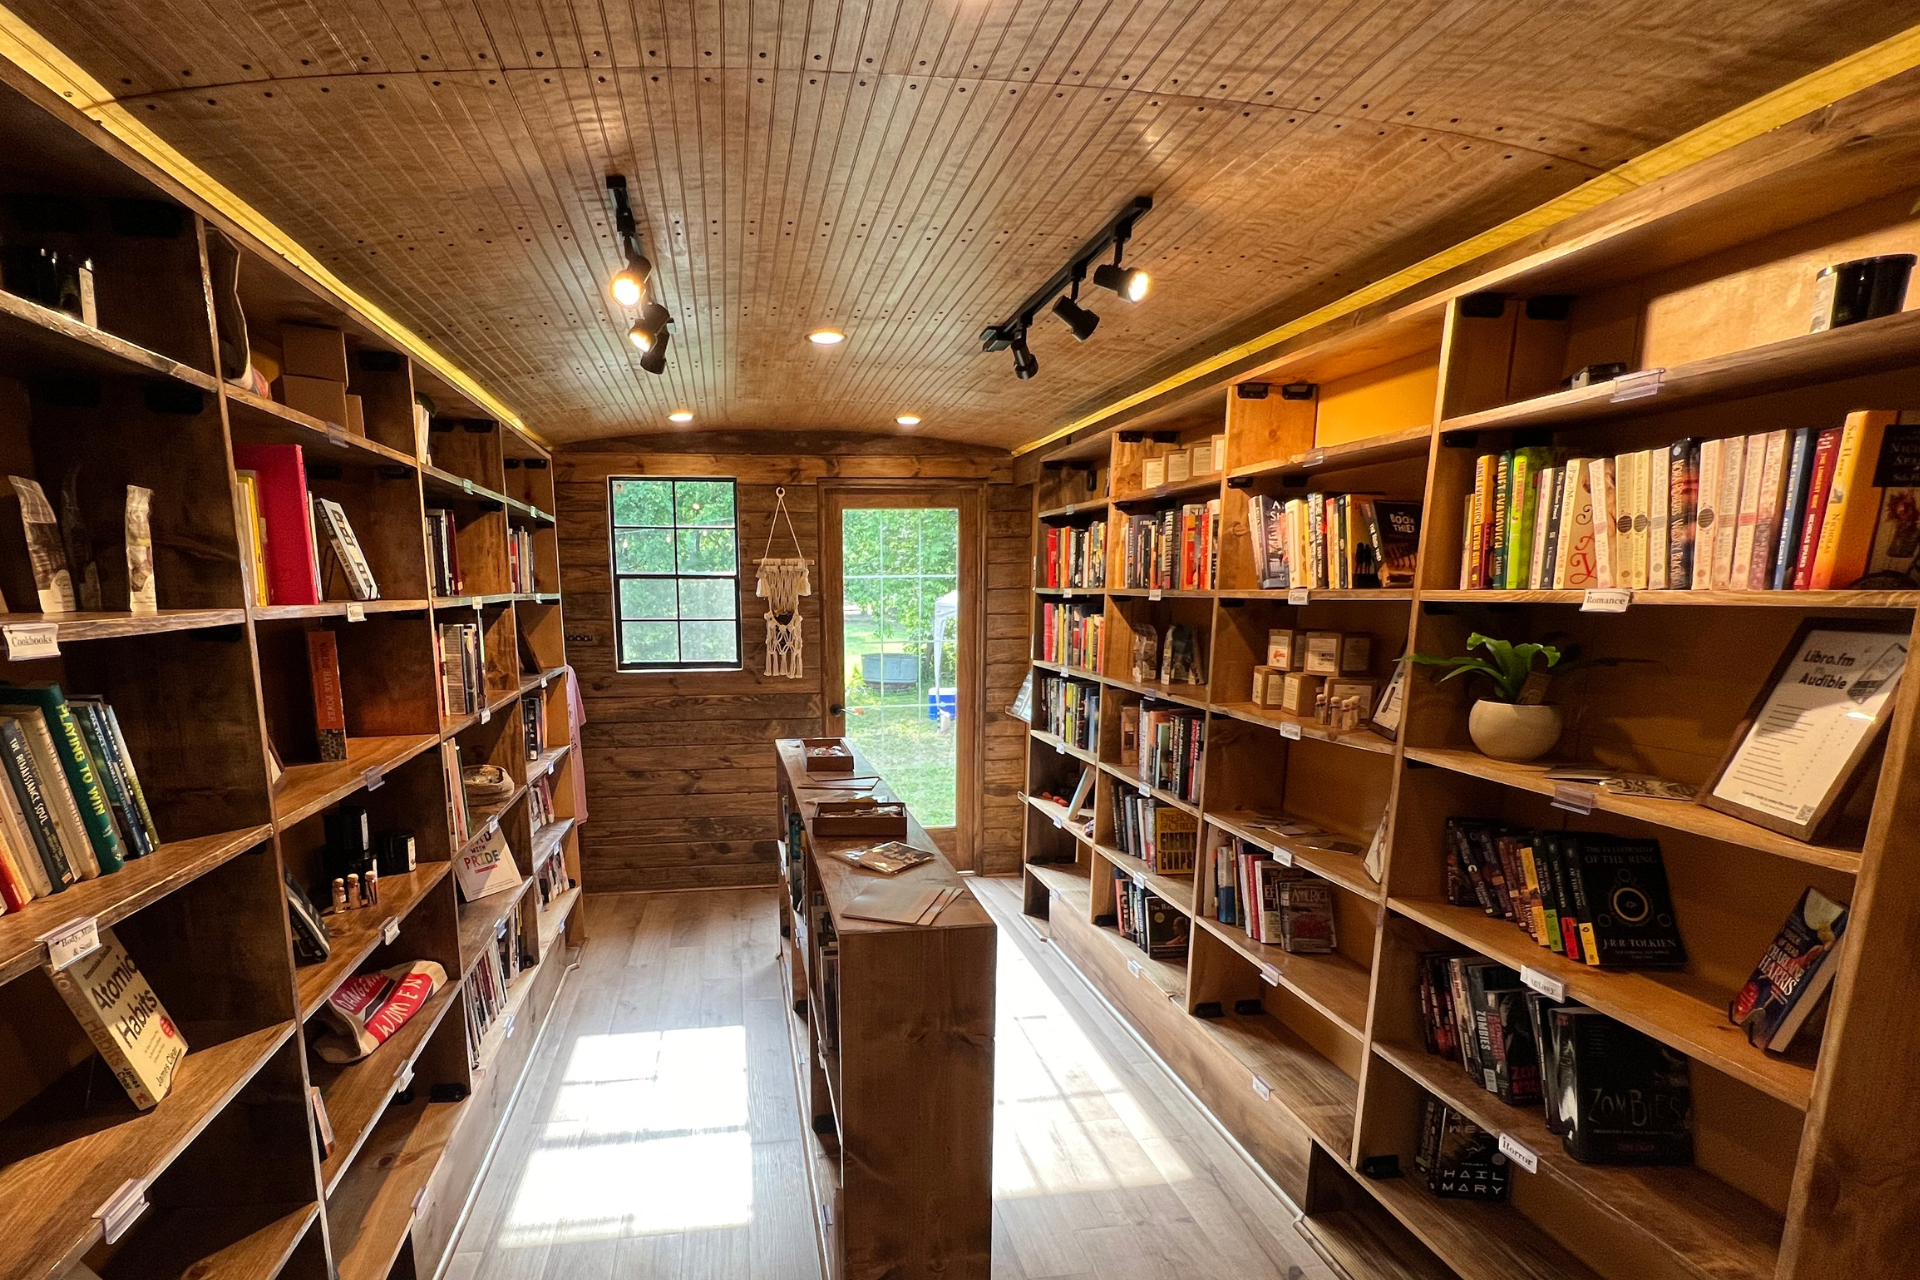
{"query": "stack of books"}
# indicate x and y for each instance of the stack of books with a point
(1173, 550)
(1162, 836)
(1069, 710)
(1075, 557)
(1070, 634)
(1336, 541)
(461, 652)
(1149, 921)
(71, 805)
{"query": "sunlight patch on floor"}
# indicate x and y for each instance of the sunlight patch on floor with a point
(648, 1134)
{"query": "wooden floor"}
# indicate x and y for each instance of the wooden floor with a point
(658, 1135)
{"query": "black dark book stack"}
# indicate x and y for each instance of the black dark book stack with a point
(1475, 1010)
(1595, 898)
(1616, 1096)
(1459, 1159)
(1147, 920)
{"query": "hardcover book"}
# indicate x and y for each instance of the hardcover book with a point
(329, 704)
(1463, 1160)
(27, 802)
(1395, 529)
(46, 703)
(1624, 1097)
(55, 794)
(1306, 915)
(1793, 975)
(1891, 558)
(331, 518)
(1625, 911)
(292, 570)
(124, 1019)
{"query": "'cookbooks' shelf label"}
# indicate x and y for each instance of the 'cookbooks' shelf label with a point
(30, 641)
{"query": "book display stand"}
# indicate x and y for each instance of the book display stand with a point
(264, 1159)
(1804, 1162)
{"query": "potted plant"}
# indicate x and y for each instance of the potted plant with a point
(1512, 723)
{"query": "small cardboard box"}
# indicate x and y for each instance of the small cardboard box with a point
(1356, 654)
(1298, 692)
(1323, 653)
(1264, 678)
(310, 351)
(1286, 650)
(324, 400)
(356, 416)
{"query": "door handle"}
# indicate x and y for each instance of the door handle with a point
(836, 709)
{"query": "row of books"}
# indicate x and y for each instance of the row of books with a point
(1173, 658)
(1613, 1094)
(1149, 921)
(486, 989)
(533, 725)
(520, 562)
(460, 650)
(1170, 742)
(1814, 508)
(443, 552)
(1276, 905)
(1173, 550)
(1069, 710)
(540, 810)
(1071, 634)
(1335, 541)
(286, 527)
(1164, 837)
(1075, 557)
(459, 813)
(550, 875)
(71, 805)
(1594, 898)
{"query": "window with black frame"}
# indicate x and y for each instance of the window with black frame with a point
(676, 572)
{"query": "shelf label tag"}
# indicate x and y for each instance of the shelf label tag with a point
(1552, 988)
(356, 613)
(1261, 1087)
(71, 941)
(390, 930)
(509, 1036)
(403, 1081)
(1059, 746)
(1137, 969)
(1519, 1153)
(1637, 385)
(373, 781)
(473, 602)
(467, 485)
(1153, 594)
(1059, 822)
(419, 1201)
(1283, 856)
(1313, 459)
(1606, 600)
(1574, 797)
(1269, 975)
(121, 1210)
(486, 713)
(1140, 879)
(1299, 595)
(1290, 731)
(30, 641)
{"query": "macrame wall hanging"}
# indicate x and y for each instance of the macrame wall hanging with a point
(783, 580)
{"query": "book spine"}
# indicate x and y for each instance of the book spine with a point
(1549, 570)
(112, 781)
(135, 791)
(1546, 854)
(1768, 511)
(16, 890)
(89, 797)
(1626, 488)
(329, 704)
(1683, 485)
(1659, 507)
(1641, 535)
(1793, 507)
(1726, 525)
(1739, 572)
(1853, 503)
(1605, 534)
(1542, 521)
(1826, 455)
(1502, 520)
(33, 804)
(1707, 515)
(1573, 905)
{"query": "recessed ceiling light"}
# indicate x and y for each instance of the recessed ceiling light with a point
(826, 337)
(680, 415)
(907, 420)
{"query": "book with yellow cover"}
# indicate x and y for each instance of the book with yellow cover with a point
(1853, 502)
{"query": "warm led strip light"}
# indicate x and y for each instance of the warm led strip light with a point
(39, 58)
(1764, 114)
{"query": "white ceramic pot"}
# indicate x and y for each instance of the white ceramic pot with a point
(1507, 731)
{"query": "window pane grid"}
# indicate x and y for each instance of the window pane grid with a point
(676, 572)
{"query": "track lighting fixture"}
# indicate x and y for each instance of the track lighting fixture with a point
(632, 284)
(630, 281)
(655, 359)
(1063, 291)
(651, 328)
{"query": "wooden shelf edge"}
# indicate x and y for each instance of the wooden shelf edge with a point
(1348, 870)
(1133, 780)
(113, 898)
(541, 844)
(1673, 815)
(78, 626)
(1697, 599)
(1311, 977)
(481, 920)
(95, 347)
(1262, 718)
(373, 1204)
(552, 918)
(1480, 1240)
(317, 431)
(1075, 509)
(172, 1243)
(1062, 747)
(394, 1057)
(1410, 442)
(1289, 1066)
(1172, 890)
(333, 781)
(399, 896)
(335, 609)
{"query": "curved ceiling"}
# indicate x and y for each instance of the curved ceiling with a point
(905, 170)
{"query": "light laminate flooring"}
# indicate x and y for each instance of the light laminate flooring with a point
(658, 1134)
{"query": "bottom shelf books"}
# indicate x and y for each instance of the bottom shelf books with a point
(1613, 1094)
(1149, 921)
(1277, 905)
(486, 991)
(1459, 1159)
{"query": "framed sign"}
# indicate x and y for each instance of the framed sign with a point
(1812, 726)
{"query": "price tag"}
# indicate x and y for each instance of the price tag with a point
(122, 1209)
(1290, 730)
(70, 941)
(1261, 1087)
(1574, 797)
(486, 713)
(1637, 385)
(1298, 595)
(1154, 594)
(1552, 988)
(373, 781)
(1137, 969)
(1519, 1153)
(1606, 600)
(390, 930)
(1059, 822)
(1269, 975)
(29, 641)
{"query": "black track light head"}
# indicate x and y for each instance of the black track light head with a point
(629, 283)
(1025, 364)
(1079, 320)
(655, 360)
(1129, 284)
(651, 327)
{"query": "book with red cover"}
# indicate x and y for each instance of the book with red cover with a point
(329, 705)
(292, 571)
(1826, 452)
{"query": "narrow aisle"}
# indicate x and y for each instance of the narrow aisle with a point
(658, 1134)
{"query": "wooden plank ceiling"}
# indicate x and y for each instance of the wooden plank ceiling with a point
(905, 170)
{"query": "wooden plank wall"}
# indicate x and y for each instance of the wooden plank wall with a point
(680, 774)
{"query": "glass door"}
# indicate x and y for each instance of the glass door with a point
(902, 609)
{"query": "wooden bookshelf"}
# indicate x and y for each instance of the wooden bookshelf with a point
(896, 1061)
(212, 694)
(1805, 1162)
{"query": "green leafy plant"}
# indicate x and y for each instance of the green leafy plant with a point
(1507, 665)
